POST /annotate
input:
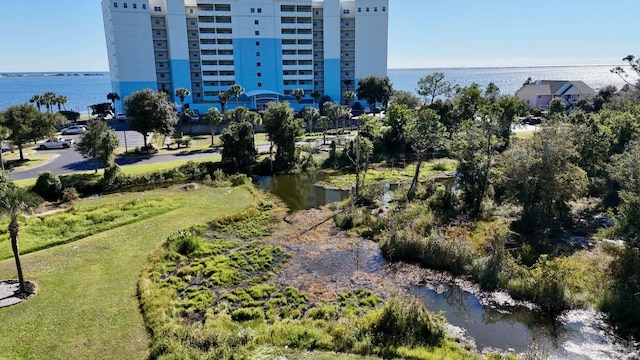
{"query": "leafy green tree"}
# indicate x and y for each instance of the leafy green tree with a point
(432, 86)
(182, 94)
(424, 133)
(359, 153)
(26, 124)
(557, 107)
(468, 101)
(238, 144)
(336, 112)
(492, 93)
(102, 110)
(375, 90)
(113, 97)
(446, 109)
(213, 117)
(149, 111)
(4, 135)
(397, 119)
(310, 114)
(98, 143)
(406, 98)
(512, 107)
(540, 175)
(14, 202)
(283, 129)
(475, 147)
(235, 91)
(370, 127)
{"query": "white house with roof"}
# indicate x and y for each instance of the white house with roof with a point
(540, 92)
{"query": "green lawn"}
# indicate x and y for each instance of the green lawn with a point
(86, 306)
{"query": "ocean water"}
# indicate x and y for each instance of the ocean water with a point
(83, 91)
(509, 79)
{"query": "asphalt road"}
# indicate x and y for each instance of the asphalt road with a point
(70, 161)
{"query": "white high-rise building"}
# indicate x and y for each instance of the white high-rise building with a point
(269, 47)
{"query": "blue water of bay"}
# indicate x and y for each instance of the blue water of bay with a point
(83, 91)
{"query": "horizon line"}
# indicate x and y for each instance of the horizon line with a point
(388, 68)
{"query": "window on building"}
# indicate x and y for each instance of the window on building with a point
(257, 43)
(162, 76)
(375, 9)
(115, 4)
(259, 84)
(259, 10)
(367, 9)
(258, 64)
(359, 9)
(257, 53)
(384, 8)
(345, 11)
(256, 22)
(257, 32)
(259, 74)
(253, 10)
(157, 8)
(124, 5)
(135, 6)
(144, 6)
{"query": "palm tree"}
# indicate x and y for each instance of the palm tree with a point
(213, 117)
(61, 100)
(113, 97)
(310, 113)
(14, 202)
(236, 90)
(315, 96)
(223, 96)
(298, 94)
(37, 100)
(349, 96)
(49, 99)
(182, 93)
(5, 132)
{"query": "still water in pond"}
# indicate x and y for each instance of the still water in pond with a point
(298, 190)
(579, 334)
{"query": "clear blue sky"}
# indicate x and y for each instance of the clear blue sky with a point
(68, 35)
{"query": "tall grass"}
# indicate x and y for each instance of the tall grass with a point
(80, 221)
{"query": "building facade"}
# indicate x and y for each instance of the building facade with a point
(269, 47)
(540, 92)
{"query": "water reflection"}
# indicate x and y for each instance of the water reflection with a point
(298, 191)
(579, 334)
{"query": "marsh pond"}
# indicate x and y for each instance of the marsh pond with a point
(328, 260)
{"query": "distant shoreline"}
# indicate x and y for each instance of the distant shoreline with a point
(52, 74)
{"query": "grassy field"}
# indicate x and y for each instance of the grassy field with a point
(31, 158)
(86, 306)
(393, 175)
(85, 218)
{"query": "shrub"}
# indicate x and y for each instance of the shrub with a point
(245, 314)
(406, 322)
(70, 115)
(187, 243)
(70, 194)
(218, 175)
(239, 179)
(48, 186)
(191, 170)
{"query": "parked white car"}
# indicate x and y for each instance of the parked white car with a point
(121, 116)
(55, 143)
(75, 129)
